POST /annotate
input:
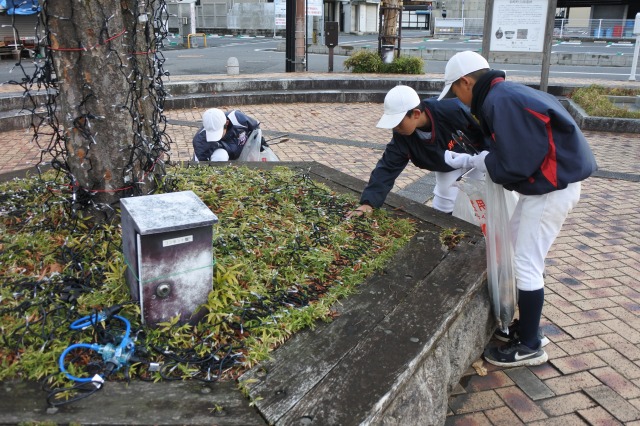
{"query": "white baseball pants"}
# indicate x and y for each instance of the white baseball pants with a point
(534, 226)
(445, 193)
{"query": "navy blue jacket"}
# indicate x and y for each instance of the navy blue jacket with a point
(425, 149)
(536, 147)
(238, 130)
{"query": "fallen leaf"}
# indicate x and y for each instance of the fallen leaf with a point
(479, 367)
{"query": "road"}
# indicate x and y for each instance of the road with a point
(259, 55)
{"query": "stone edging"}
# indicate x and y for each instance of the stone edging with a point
(602, 124)
(323, 88)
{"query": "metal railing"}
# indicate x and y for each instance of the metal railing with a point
(467, 27)
(197, 37)
(594, 28)
(598, 29)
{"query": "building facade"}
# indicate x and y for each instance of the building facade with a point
(261, 17)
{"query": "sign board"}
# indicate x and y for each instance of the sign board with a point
(314, 7)
(518, 25)
(281, 7)
(636, 50)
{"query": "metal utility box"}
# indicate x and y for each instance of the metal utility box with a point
(167, 240)
(331, 33)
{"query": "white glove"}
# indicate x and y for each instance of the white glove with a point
(457, 160)
(466, 161)
(477, 161)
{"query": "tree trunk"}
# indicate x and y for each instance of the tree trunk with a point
(391, 11)
(110, 100)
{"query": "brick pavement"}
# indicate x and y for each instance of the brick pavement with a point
(592, 308)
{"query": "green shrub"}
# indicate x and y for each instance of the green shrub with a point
(364, 61)
(405, 65)
(595, 101)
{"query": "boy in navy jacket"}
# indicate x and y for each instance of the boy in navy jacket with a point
(222, 136)
(537, 150)
(421, 134)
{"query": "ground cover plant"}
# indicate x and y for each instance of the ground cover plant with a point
(595, 101)
(283, 256)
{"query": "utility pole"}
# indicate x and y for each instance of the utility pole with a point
(301, 35)
(295, 31)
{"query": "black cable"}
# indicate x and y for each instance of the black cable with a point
(81, 390)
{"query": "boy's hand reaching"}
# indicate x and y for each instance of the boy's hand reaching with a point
(362, 209)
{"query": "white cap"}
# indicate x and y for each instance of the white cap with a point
(213, 121)
(399, 101)
(461, 64)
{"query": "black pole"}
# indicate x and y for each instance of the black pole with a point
(290, 35)
(331, 59)
(399, 29)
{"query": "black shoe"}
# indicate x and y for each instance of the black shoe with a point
(514, 354)
(513, 334)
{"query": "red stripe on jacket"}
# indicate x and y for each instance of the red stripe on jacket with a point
(549, 167)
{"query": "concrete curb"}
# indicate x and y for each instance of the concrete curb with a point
(602, 124)
(218, 92)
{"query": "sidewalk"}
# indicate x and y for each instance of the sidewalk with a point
(592, 308)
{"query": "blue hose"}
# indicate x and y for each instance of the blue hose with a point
(116, 356)
(88, 321)
(92, 347)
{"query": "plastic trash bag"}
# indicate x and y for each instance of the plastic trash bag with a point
(251, 150)
(500, 273)
(468, 205)
(463, 209)
(492, 207)
(474, 211)
(268, 155)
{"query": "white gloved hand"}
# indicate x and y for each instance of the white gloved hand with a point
(466, 161)
(477, 161)
(458, 160)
